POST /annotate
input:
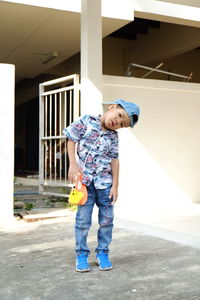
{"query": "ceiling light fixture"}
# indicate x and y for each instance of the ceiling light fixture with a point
(49, 57)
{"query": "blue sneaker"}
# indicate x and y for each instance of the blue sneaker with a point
(82, 262)
(103, 261)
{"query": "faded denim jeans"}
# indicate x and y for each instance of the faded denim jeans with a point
(100, 197)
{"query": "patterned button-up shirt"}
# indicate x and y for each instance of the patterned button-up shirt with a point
(95, 149)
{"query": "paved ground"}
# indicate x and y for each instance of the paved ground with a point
(37, 262)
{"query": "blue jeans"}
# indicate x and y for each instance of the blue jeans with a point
(105, 218)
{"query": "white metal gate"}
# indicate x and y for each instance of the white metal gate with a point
(59, 106)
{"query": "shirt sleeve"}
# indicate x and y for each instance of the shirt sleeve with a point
(114, 151)
(77, 129)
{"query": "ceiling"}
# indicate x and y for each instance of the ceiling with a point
(194, 3)
(29, 33)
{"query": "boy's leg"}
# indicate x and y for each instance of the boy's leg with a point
(82, 226)
(106, 216)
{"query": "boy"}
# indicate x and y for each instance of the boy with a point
(97, 150)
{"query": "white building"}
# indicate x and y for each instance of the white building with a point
(160, 157)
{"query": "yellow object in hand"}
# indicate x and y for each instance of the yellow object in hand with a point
(75, 197)
(78, 194)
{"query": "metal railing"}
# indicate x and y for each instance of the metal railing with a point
(156, 69)
(59, 106)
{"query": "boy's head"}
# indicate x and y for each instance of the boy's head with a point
(120, 114)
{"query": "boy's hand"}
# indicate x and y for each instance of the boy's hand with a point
(114, 194)
(74, 173)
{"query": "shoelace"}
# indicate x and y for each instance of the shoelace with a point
(83, 258)
(103, 256)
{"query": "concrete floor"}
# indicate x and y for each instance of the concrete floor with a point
(37, 262)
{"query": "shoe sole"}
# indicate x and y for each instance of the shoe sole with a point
(82, 271)
(103, 269)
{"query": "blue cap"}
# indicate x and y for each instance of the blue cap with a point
(131, 108)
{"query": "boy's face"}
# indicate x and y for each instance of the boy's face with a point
(115, 118)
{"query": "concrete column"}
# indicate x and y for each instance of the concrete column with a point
(7, 81)
(91, 57)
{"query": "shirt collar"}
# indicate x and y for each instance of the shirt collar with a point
(107, 131)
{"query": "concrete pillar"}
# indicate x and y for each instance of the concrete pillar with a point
(91, 57)
(7, 80)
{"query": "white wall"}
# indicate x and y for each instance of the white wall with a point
(167, 11)
(7, 75)
(160, 157)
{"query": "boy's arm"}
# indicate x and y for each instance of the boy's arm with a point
(74, 170)
(115, 174)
